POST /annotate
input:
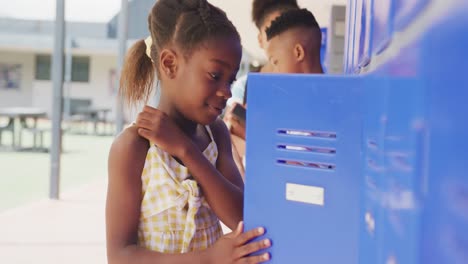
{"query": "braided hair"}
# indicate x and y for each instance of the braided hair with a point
(185, 23)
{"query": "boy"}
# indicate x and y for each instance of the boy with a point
(294, 43)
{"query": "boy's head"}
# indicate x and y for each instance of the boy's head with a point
(265, 11)
(294, 42)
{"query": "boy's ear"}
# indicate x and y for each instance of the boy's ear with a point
(168, 61)
(299, 52)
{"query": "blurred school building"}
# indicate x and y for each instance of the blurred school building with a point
(26, 48)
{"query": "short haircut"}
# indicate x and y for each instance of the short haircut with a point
(291, 19)
(262, 8)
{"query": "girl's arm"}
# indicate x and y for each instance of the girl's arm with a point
(223, 193)
(126, 160)
(222, 185)
(226, 163)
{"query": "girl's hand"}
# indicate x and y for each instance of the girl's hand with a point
(158, 128)
(234, 247)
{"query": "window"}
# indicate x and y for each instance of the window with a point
(80, 68)
(43, 67)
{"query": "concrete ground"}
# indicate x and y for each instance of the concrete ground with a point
(70, 230)
(34, 229)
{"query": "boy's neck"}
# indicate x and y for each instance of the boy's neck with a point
(313, 68)
(187, 126)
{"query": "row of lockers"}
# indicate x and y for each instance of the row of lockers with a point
(371, 26)
(367, 168)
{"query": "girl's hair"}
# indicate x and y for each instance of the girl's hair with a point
(262, 8)
(184, 23)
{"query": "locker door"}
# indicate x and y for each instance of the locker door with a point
(303, 165)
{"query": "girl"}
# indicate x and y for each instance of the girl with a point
(171, 176)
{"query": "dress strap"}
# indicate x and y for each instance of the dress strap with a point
(210, 133)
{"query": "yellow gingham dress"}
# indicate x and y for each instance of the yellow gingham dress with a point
(175, 217)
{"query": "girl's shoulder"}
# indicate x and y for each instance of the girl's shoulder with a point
(129, 137)
(127, 158)
(130, 144)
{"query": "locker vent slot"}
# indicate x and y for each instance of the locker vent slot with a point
(372, 144)
(373, 166)
(305, 133)
(307, 164)
(306, 149)
(400, 161)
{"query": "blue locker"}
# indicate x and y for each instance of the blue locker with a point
(323, 49)
(405, 131)
(382, 26)
(364, 51)
(350, 41)
(349, 38)
(366, 169)
(373, 173)
(405, 11)
(303, 165)
(421, 209)
(445, 229)
(358, 29)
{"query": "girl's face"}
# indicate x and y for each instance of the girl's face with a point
(204, 79)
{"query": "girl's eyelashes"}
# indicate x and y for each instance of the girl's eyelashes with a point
(215, 76)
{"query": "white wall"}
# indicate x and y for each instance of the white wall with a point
(23, 95)
(336, 40)
(97, 89)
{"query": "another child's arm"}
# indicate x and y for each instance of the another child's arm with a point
(236, 126)
(126, 161)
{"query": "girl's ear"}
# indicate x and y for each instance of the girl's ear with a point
(168, 61)
(299, 52)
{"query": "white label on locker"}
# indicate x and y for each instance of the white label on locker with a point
(305, 194)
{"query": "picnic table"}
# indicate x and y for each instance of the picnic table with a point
(17, 123)
(93, 114)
